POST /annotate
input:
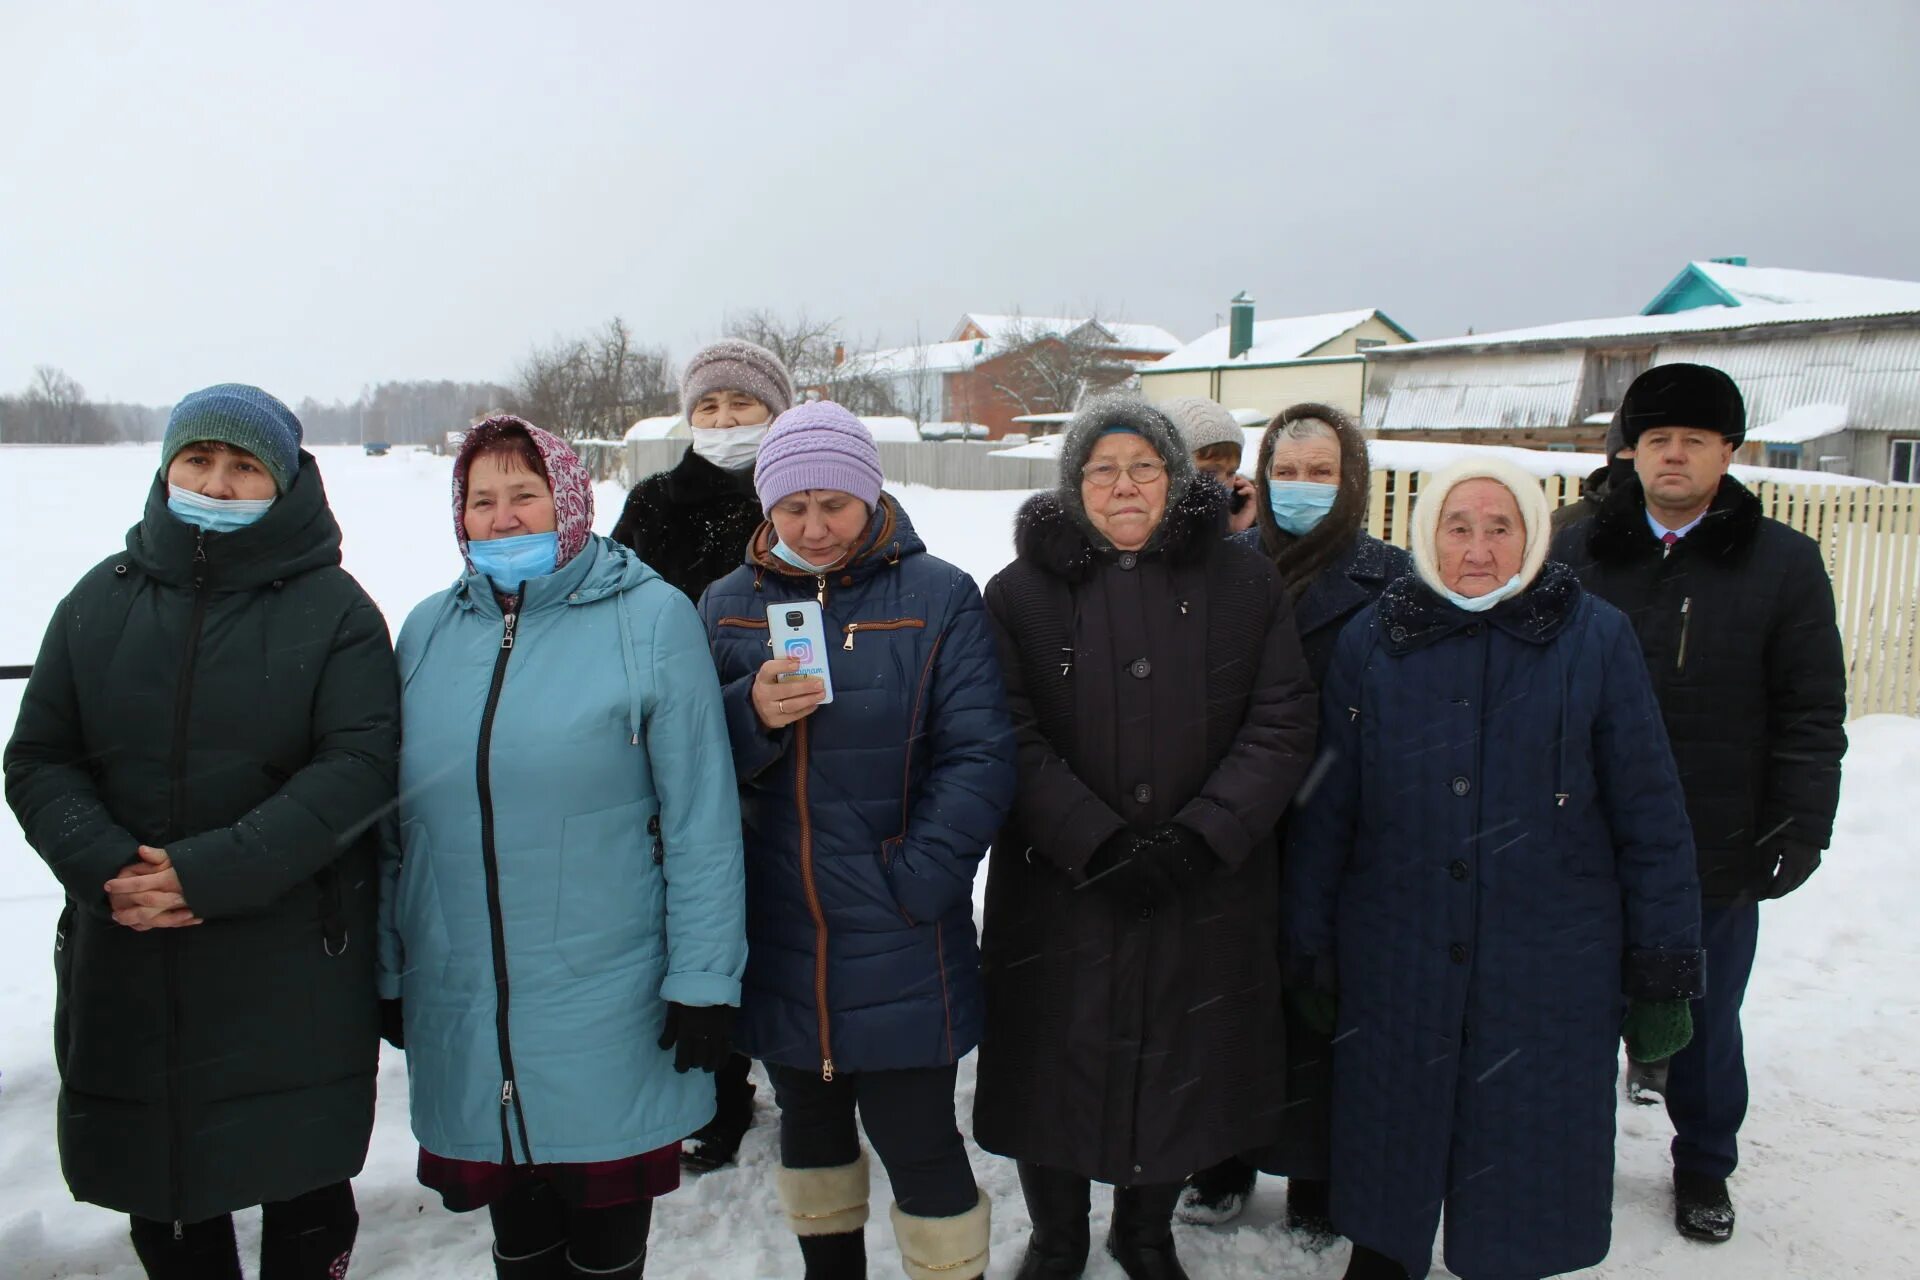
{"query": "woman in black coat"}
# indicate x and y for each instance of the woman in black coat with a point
(209, 734)
(1310, 512)
(1164, 716)
(691, 524)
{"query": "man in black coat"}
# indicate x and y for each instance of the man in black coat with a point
(1735, 615)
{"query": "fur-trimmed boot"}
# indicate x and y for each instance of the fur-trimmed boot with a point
(827, 1209)
(944, 1248)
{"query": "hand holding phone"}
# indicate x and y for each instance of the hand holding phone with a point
(797, 679)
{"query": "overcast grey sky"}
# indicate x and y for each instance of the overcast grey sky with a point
(314, 197)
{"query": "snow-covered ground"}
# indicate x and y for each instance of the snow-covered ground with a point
(1832, 1148)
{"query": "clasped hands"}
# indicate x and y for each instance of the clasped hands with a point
(146, 894)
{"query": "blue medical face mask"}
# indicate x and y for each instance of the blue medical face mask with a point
(794, 558)
(1299, 505)
(510, 562)
(1480, 604)
(214, 515)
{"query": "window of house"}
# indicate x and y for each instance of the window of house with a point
(1368, 344)
(1785, 456)
(1905, 468)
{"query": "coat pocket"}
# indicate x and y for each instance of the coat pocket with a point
(610, 904)
(853, 629)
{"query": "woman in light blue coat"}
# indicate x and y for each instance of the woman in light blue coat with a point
(564, 916)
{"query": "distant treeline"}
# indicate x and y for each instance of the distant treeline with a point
(589, 387)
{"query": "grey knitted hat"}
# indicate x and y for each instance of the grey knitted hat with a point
(735, 365)
(1204, 423)
(1120, 413)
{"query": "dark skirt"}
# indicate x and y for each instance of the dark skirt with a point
(466, 1185)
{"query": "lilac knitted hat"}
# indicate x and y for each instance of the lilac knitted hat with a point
(817, 446)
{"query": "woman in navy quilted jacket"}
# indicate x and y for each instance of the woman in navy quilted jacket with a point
(1493, 877)
(866, 819)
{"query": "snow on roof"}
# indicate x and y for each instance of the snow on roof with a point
(887, 430)
(1140, 337)
(666, 428)
(954, 431)
(1800, 426)
(1125, 334)
(935, 357)
(1289, 338)
(1778, 286)
(1694, 321)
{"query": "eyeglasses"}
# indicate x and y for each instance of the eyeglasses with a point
(1104, 475)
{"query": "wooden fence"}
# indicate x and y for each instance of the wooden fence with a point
(1869, 535)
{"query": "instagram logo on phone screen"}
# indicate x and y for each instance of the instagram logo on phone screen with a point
(800, 649)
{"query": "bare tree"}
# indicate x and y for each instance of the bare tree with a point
(815, 352)
(54, 409)
(1039, 370)
(595, 386)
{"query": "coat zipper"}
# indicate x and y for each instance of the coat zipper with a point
(510, 1107)
(169, 942)
(813, 899)
(898, 624)
(1686, 624)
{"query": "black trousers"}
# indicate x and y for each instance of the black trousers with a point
(534, 1219)
(305, 1238)
(909, 1120)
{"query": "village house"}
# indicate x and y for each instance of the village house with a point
(1265, 365)
(991, 369)
(1829, 366)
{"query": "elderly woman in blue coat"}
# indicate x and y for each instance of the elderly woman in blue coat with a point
(1492, 878)
(866, 818)
(564, 917)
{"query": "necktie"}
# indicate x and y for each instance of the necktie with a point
(1667, 540)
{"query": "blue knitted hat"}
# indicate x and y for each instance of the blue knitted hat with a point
(242, 416)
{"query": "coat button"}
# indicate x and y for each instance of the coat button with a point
(1142, 794)
(1458, 870)
(1473, 629)
(1141, 668)
(1128, 560)
(1461, 786)
(1397, 634)
(1458, 952)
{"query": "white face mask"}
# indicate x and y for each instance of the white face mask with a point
(1480, 604)
(729, 448)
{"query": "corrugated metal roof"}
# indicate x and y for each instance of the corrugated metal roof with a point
(1650, 327)
(1284, 338)
(1874, 373)
(1519, 391)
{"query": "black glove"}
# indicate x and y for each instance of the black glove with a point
(698, 1035)
(392, 1029)
(1793, 863)
(1177, 857)
(1118, 868)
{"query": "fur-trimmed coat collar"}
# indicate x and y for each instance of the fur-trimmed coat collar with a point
(1620, 532)
(1051, 538)
(1413, 615)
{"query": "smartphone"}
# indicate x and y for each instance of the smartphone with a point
(798, 632)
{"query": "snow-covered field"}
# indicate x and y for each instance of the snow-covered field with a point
(1832, 1149)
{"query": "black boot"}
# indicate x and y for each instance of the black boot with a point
(1217, 1195)
(1141, 1240)
(718, 1142)
(1702, 1209)
(1368, 1265)
(548, 1264)
(1647, 1081)
(309, 1237)
(1057, 1202)
(609, 1243)
(842, 1256)
(1309, 1211)
(193, 1251)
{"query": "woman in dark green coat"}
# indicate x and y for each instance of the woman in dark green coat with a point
(208, 736)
